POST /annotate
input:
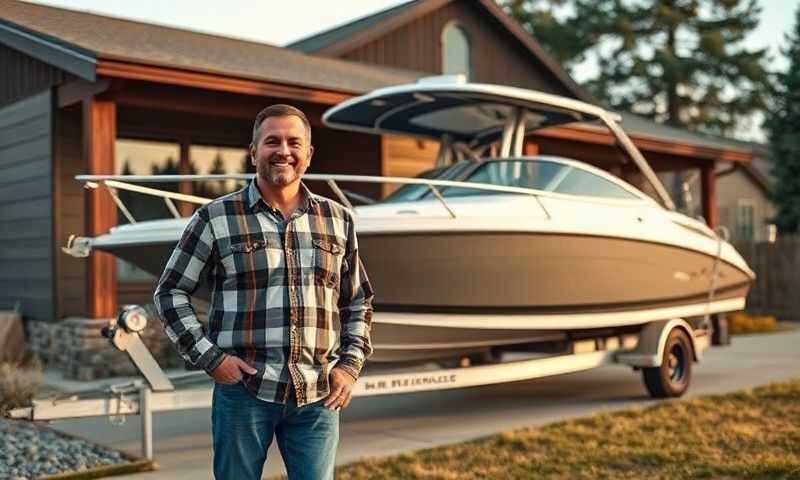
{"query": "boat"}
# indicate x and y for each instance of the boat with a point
(491, 248)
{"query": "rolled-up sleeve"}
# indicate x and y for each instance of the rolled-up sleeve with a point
(355, 309)
(192, 257)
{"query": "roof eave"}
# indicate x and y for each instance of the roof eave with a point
(68, 57)
(421, 8)
(599, 135)
(372, 32)
(133, 69)
(533, 46)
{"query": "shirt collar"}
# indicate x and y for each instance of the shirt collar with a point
(256, 202)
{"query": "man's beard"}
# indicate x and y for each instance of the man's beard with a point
(282, 177)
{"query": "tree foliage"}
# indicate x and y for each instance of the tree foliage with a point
(782, 124)
(682, 62)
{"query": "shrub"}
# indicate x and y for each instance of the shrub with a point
(18, 384)
(744, 323)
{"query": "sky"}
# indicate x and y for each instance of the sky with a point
(279, 22)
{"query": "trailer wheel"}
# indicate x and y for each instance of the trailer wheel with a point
(671, 378)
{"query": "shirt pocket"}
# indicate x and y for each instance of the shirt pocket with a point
(328, 258)
(246, 258)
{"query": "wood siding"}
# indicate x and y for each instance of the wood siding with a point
(26, 218)
(496, 56)
(406, 157)
(346, 153)
(70, 212)
(24, 76)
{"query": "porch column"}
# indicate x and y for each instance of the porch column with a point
(186, 209)
(99, 134)
(708, 180)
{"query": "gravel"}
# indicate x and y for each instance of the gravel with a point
(29, 451)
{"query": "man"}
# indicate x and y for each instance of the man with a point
(282, 266)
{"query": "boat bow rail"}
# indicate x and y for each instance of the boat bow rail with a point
(113, 183)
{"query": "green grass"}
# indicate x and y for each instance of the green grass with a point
(746, 435)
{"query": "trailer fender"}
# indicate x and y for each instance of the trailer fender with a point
(650, 349)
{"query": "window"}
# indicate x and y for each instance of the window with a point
(138, 157)
(745, 220)
(207, 160)
(455, 51)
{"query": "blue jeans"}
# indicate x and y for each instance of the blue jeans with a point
(243, 427)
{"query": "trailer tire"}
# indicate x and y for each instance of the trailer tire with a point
(671, 378)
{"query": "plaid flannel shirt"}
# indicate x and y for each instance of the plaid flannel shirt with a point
(277, 288)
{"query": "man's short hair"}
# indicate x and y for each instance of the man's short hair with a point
(280, 110)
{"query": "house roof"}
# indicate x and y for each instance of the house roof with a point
(759, 169)
(350, 35)
(77, 41)
(642, 126)
(320, 40)
(360, 31)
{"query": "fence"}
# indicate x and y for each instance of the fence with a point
(777, 267)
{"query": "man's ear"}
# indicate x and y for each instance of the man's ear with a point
(310, 153)
(252, 152)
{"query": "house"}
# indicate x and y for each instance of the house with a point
(744, 203)
(88, 94)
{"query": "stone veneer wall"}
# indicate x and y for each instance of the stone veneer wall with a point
(76, 346)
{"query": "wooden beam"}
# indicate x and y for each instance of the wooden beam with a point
(601, 136)
(174, 76)
(186, 208)
(155, 96)
(531, 148)
(708, 178)
(99, 135)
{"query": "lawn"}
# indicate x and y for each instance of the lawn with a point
(745, 435)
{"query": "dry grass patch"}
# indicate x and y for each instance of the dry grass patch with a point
(752, 434)
(19, 383)
(744, 323)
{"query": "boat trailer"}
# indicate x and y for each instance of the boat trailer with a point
(156, 392)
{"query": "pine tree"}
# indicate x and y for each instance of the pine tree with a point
(565, 44)
(682, 62)
(218, 168)
(784, 136)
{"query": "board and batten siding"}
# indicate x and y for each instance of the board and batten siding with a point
(496, 56)
(24, 75)
(26, 206)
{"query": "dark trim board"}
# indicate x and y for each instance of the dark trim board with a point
(67, 57)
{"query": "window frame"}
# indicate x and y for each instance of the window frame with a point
(746, 232)
(443, 42)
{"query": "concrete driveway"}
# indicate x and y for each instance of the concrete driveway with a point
(379, 426)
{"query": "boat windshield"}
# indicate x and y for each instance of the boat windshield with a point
(409, 193)
(536, 174)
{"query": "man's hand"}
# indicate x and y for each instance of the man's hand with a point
(341, 389)
(230, 370)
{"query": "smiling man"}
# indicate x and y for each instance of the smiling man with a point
(282, 267)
